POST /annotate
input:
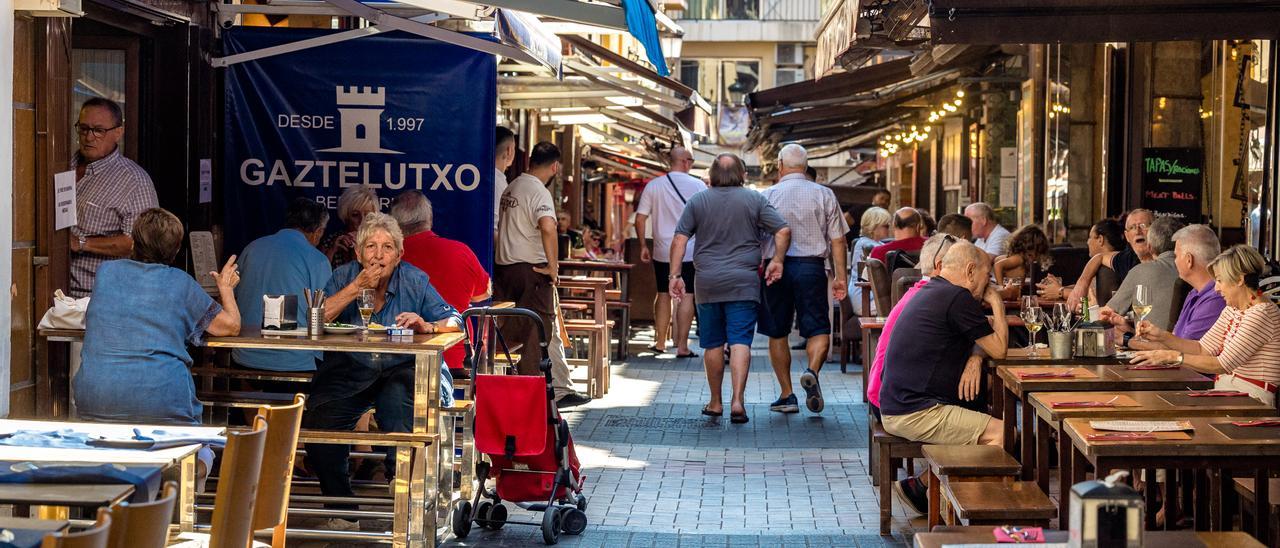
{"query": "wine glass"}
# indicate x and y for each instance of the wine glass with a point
(365, 304)
(1141, 303)
(1062, 315)
(1033, 317)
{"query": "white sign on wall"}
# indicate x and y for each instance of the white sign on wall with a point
(64, 200)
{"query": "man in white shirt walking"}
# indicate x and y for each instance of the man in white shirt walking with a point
(817, 232)
(663, 200)
(991, 236)
(526, 269)
(504, 153)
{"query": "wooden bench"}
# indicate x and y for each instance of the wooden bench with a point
(889, 450)
(623, 311)
(597, 334)
(963, 463)
(1000, 503)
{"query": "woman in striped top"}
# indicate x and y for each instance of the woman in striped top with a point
(1241, 347)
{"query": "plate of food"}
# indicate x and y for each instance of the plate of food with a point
(340, 328)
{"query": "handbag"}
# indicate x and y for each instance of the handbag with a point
(66, 313)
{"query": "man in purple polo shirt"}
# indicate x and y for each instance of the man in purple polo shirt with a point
(1194, 247)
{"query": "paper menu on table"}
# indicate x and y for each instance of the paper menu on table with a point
(1141, 426)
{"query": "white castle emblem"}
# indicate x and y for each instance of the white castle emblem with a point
(361, 120)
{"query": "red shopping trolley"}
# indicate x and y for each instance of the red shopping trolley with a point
(527, 450)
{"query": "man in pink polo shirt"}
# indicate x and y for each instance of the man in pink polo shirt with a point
(930, 263)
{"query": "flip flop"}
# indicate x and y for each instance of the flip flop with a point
(710, 413)
(655, 349)
(738, 418)
(689, 355)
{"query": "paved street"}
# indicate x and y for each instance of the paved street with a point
(660, 474)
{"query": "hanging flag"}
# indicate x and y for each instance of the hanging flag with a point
(644, 27)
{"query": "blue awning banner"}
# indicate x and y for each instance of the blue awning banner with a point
(644, 27)
(522, 30)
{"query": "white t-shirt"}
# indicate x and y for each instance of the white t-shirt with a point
(994, 242)
(663, 206)
(524, 202)
(499, 186)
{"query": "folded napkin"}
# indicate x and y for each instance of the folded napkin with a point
(1152, 367)
(1121, 436)
(1258, 422)
(1080, 404)
(1018, 535)
(1217, 394)
(1050, 375)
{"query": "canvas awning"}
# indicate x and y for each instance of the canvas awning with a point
(1054, 21)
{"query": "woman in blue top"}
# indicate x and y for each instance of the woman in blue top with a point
(347, 384)
(143, 314)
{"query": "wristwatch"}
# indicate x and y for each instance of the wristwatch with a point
(675, 277)
(80, 239)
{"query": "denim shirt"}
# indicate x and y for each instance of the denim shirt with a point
(134, 365)
(409, 290)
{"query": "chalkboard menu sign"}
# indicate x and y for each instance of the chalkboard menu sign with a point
(1173, 182)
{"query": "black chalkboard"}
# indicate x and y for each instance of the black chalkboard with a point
(1173, 182)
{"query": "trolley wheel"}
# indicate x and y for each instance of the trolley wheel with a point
(482, 513)
(551, 526)
(573, 521)
(497, 517)
(581, 502)
(462, 519)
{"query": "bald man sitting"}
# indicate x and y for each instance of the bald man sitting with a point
(931, 367)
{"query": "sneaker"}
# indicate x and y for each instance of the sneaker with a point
(338, 524)
(812, 390)
(912, 496)
(572, 399)
(788, 404)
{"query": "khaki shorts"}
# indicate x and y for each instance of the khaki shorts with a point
(940, 424)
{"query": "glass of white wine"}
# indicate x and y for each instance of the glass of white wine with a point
(365, 304)
(1141, 303)
(1033, 317)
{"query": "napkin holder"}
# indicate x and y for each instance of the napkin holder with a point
(1106, 514)
(1095, 340)
(280, 312)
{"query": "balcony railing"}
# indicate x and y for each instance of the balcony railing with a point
(751, 10)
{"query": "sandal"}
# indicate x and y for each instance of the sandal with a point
(691, 354)
(738, 418)
(708, 412)
(654, 348)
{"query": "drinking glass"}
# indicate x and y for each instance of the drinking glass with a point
(1141, 303)
(1033, 317)
(365, 304)
(1062, 315)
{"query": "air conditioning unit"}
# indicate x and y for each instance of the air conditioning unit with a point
(49, 8)
(790, 54)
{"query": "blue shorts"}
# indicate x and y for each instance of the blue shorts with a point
(801, 293)
(732, 322)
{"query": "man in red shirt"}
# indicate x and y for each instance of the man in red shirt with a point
(451, 265)
(907, 225)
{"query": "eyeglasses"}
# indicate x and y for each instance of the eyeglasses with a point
(97, 132)
(946, 239)
(1140, 227)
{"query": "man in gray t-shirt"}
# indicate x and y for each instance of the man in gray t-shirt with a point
(728, 221)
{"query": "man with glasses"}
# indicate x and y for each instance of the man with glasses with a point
(111, 191)
(1138, 251)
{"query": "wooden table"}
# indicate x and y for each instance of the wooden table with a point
(179, 462)
(621, 273)
(947, 536)
(597, 287)
(30, 532)
(1155, 405)
(71, 495)
(1090, 378)
(427, 351)
(1203, 450)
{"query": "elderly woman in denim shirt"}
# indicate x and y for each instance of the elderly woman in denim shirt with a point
(348, 384)
(142, 316)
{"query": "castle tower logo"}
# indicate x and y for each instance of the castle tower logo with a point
(360, 109)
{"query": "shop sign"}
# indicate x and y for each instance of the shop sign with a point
(1173, 182)
(393, 112)
(835, 36)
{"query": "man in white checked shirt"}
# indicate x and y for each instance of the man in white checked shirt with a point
(817, 232)
(111, 191)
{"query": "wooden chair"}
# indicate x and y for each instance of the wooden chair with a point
(271, 507)
(903, 279)
(878, 275)
(963, 463)
(145, 524)
(850, 334)
(1000, 503)
(889, 450)
(95, 536)
(233, 506)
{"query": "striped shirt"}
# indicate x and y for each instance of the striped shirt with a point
(812, 212)
(109, 197)
(1245, 342)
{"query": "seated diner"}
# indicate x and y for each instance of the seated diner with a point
(1241, 348)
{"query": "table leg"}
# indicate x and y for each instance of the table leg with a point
(1028, 456)
(1201, 499)
(402, 504)
(1009, 416)
(1219, 490)
(1042, 453)
(1065, 478)
(1149, 492)
(1170, 499)
(59, 513)
(426, 392)
(1262, 506)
